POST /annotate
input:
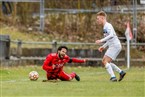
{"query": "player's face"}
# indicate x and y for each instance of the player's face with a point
(100, 20)
(62, 53)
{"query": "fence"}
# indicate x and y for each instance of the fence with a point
(54, 45)
(93, 55)
(4, 47)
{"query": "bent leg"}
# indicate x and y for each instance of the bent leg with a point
(115, 67)
(66, 77)
(51, 76)
(121, 72)
(106, 60)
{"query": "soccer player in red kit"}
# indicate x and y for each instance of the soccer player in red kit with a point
(54, 62)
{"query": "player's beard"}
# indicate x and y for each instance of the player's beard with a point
(61, 56)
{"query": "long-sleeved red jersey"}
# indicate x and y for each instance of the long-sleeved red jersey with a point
(54, 64)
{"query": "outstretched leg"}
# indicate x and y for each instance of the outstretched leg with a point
(67, 77)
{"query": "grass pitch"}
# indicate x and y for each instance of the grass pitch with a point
(94, 83)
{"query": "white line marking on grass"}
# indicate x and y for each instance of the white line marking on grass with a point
(21, 80)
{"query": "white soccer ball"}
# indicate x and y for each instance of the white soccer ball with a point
(33, 75)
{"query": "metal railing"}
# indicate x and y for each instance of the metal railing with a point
(89, 53)
(54, 44)
(109, 9)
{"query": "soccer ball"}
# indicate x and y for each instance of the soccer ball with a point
(33, 75)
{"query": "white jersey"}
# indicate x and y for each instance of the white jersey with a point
(110, 36)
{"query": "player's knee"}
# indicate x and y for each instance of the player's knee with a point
(104, 62)
(69, 78)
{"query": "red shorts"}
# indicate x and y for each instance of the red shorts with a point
(61, 75)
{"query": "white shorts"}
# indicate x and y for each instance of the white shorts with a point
(113, 51)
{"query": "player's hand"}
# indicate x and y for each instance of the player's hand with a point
(85, 60)
(101, 49)
(53, 66)
(98, 41)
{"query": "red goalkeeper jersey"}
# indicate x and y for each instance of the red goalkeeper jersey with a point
(53, 59)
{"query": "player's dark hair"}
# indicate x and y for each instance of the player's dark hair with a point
(60, 47)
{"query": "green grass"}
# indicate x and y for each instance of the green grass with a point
(94, 83)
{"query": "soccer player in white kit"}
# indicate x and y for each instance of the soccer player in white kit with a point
(111, 41)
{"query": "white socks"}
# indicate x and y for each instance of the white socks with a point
(114, 67)
(110, 70)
